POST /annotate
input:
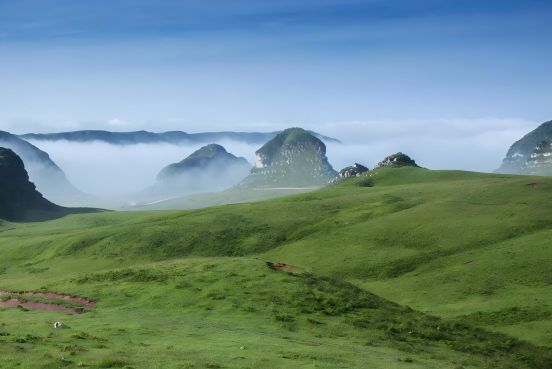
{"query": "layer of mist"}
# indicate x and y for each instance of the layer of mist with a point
(125, 174)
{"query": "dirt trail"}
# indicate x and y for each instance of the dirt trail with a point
(17, 300)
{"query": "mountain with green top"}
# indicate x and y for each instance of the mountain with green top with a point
(532, 154)
(294, 158)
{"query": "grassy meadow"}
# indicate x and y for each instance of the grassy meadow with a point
(399, 268)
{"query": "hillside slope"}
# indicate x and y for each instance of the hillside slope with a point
(470, 248)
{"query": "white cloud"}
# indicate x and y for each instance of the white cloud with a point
(468, 144)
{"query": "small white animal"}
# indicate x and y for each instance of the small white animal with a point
(58, 325)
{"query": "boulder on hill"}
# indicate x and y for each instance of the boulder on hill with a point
(352, 171)
(397, 160)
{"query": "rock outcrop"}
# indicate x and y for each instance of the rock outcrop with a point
(352, 171)
(294, 158)
(540, 160)
(397, 160)
(532, 154)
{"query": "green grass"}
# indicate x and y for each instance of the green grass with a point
(468, 253)
(231, 196)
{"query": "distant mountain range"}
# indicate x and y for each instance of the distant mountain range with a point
(171, 137)
(532, 154)
(48, 177)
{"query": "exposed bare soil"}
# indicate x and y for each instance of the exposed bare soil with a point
(281, 266)
(17, 300)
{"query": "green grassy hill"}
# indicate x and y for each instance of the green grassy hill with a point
(399, 268)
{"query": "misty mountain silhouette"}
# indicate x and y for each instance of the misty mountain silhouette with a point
(19, 199)
(210, 157)
(48, 177)
(211, 168)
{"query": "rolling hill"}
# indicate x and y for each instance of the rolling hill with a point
(396, 268)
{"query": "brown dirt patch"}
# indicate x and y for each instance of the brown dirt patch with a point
(17, 300)
(40, 306)
(283, 267)
(53, 295)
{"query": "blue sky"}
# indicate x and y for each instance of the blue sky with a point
(261, 65)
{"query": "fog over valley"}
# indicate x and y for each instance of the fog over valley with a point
(122, 172)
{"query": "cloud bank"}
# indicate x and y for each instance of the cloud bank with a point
(478, 145)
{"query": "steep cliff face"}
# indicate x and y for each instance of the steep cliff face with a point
(540, 160)
(19, 199)
(47, 176)
(526, 156)
(294, 158)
